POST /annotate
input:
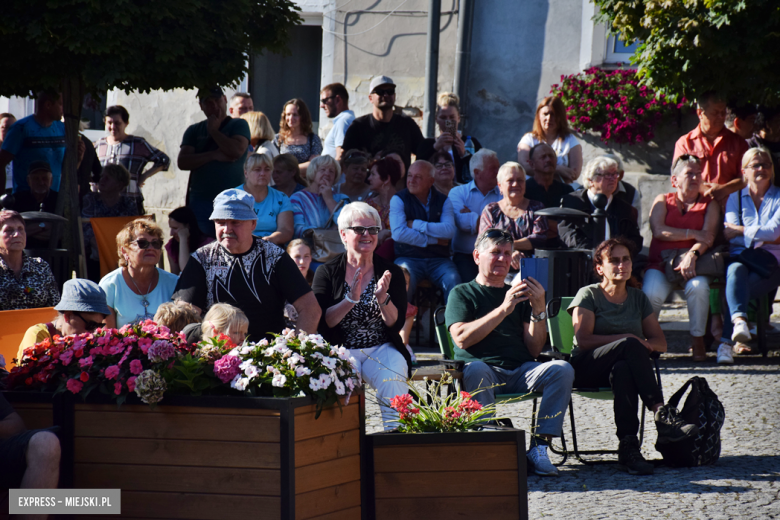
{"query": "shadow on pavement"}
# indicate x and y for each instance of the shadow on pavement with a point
(729, 475)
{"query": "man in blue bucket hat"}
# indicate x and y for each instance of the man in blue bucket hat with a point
(247, 272)
(82, 308)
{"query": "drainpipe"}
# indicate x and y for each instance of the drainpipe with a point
(463, 56)
(431, 67)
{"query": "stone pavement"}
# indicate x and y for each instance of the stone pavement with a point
(744, 484)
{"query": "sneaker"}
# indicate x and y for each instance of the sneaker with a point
(630, 458)
(725, 354)
(541, 462)
(671, 427)
(741, 332)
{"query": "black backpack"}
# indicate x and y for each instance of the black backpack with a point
(703, 409)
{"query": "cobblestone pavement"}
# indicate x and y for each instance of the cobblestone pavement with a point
(744, 484)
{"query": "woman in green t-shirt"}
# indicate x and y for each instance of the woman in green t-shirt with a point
(615, 331)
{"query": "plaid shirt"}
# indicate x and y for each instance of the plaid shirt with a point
(133, 153)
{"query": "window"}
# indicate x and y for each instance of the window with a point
(618, 51)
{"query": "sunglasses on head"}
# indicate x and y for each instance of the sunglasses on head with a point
(142, 243)
(385, 92)
(361, 230)
(89, 324)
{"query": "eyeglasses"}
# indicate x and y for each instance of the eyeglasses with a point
(361, 230)
(325, 100)
(443, 165)
(759, 166)
(142, 243)
(384, 92)
(89, 324)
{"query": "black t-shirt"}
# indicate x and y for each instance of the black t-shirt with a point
(550, 198)
(25, 201)
(401, 135)
(5, 407)
(258, 282)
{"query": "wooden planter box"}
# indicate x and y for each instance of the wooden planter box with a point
(35, 408)
(446, 475)
(217, 457)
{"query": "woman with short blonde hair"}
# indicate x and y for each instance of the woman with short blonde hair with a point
(313, 206)
(137, 287)
(261, 131)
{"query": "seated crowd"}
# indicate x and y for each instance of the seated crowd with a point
(457, 218)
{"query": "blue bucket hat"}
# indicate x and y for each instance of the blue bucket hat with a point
(234, 204)
(81, 295)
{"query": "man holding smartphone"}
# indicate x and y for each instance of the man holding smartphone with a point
(499, 331)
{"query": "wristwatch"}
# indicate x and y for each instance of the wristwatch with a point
(539, 317)
(387, 300)
(695, 252)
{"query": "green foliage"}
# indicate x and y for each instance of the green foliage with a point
(136, 44)
(694, 46)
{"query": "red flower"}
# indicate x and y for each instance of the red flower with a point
(84, 377)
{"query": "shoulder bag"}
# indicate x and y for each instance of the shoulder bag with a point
(325, 242)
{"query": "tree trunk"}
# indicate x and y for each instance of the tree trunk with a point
(68, 198)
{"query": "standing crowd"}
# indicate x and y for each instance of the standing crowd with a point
(247, 249)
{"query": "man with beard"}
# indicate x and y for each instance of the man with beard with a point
(334, 101)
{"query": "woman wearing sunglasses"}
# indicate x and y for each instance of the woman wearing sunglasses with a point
(138, 286)
(360, 294)
(82, 308)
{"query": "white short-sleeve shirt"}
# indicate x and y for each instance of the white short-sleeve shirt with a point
(562, 147)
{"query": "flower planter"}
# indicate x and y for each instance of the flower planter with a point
(479, 474)
(218, 457)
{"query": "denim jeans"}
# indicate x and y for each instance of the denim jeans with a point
(554, 379)
(742, 285)
(697, 295)
(441, 271)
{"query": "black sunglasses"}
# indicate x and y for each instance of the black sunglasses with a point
(144, 244)
(360, 230)
(89, 324)
(385, 92)
(325, 100)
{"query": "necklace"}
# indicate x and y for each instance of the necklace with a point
(144, 299)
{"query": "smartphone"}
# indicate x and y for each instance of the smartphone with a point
(536, 268)
(449, 126)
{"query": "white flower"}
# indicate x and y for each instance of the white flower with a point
(251, 371)
(329, 363)
(248, 362)
(269, 352)
(302, 371)
(279, 380)
(233, 352)
(350, 384)
(314, 384)
(269, 368)
(339, 387)
(343, 353)
(246, 350)
(325, 381)
(262, 343)
(239, 383)
(295, 359)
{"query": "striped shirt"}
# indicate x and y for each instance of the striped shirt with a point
(133, 153)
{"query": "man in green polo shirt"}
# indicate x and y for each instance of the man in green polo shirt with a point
(499, 330)
(214, 151)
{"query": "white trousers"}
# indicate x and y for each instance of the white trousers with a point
(385, 369)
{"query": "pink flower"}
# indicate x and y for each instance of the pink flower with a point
(136, 367)
(131, 383)
(86, 362)
(74, 385)
(117, 388)
(66, 357)
(144, 343)
(112, 372)
(161, 350)
(227, 367)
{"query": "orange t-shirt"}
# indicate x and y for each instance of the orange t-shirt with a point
(721, 160)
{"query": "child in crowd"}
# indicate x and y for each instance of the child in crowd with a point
(176, 315)
(300, 252)
(411, 314)
(225, 319)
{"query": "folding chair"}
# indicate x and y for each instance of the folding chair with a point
(13, 325)
(447, 349)
(561, 331)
